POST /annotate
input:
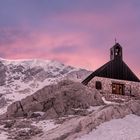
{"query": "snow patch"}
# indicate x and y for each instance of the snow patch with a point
(108, 102)
(127, 128)
(3, 136)
(45, 125)
(93, 108)
(3, 133)
(39, 112)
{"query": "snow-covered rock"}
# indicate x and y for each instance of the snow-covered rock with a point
(64, 98)
(20, 78)
(127, 128)
(79, 126)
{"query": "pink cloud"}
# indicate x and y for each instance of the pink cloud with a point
(41, 45)
(91, 33)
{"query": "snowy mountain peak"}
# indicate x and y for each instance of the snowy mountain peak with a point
(31, 62)
(20, 78)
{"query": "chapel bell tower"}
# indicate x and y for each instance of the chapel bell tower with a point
(116, 52)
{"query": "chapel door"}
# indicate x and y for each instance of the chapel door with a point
(118, 88)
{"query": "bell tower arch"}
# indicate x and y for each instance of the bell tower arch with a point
(116, 52)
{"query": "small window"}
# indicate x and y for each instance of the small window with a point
(98, 85)
(117, 51)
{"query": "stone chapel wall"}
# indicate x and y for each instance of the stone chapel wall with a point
(129, 86)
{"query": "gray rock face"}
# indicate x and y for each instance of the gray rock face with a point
(57, 100)
(19, 129)
(78, 75)
(2, 74)
(78, 126)
(2, 102)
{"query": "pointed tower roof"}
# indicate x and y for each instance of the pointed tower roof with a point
(116, 68)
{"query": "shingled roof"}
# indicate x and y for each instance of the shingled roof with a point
(116, 68)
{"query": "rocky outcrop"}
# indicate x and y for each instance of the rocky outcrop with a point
(19, 129)
(79, 126)
(2, 74)
(57, 100)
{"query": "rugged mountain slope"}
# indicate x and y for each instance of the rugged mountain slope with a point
(19, 78)
(58, 100)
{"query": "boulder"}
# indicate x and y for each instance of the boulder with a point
(59, 99)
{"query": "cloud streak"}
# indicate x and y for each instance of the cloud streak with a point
(78, 33)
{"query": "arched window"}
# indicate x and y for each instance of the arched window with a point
(118, 51)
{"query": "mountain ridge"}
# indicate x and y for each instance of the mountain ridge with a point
(20, 78)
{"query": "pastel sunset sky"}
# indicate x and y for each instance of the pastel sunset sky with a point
(75, 32)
